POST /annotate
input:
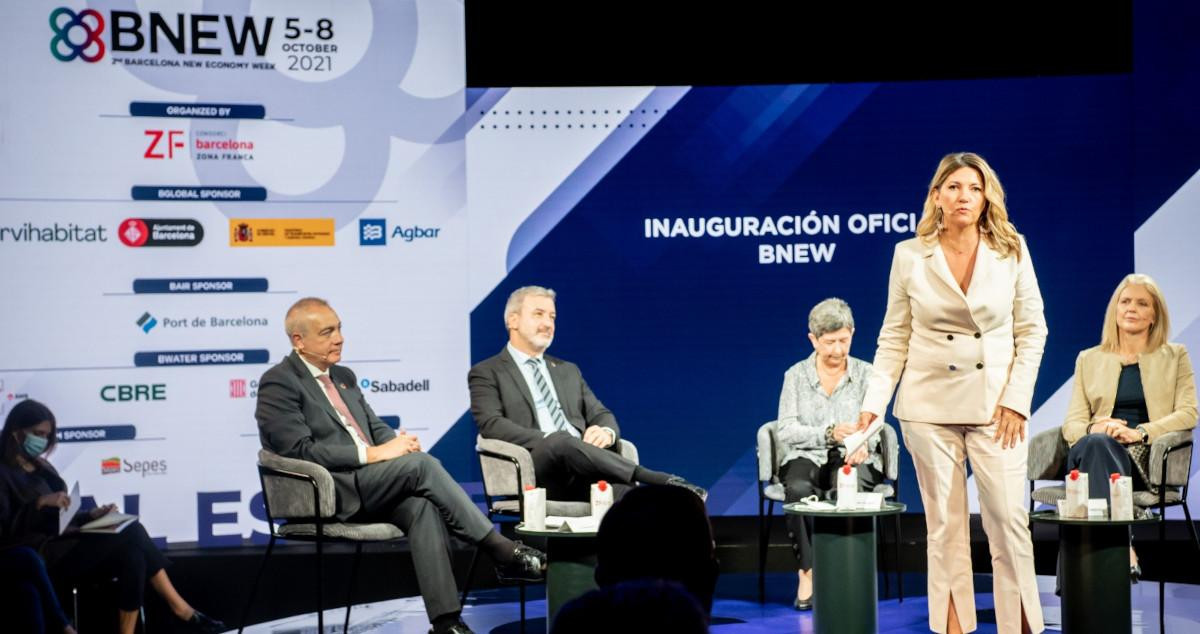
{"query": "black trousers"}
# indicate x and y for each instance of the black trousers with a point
(566, 466)
(802, 478)
(415, 493)
(129, 556)
(27, 599)
(1098, 455)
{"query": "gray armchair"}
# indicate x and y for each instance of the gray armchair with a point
(507, 469)
(771, 490)
(1170, 466)
(301, 493)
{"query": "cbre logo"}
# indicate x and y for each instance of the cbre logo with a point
(76, 35)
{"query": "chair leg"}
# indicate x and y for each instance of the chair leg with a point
(522, 586)
(350, 586)
(899, 568)
(1191, 526)
(254, 588)
(75, 608)
(764, 541)
(470, 576)
(762, 583)
(1162, 583)
(320, 607)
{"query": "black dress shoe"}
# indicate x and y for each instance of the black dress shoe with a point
(677, 481)
(457, 628)
(528, 564)
(201, 622)
(803, 605)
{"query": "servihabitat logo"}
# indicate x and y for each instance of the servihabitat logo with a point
(77, 35)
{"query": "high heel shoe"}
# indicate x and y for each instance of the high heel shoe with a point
(1135, 573)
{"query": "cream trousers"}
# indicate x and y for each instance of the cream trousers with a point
(940, 453)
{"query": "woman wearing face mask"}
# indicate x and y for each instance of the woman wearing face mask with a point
(1132, 388)
(31, 496)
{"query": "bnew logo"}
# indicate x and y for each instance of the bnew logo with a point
(80, 34)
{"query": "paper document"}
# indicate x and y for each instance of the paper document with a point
(66, 515)
(859, 438)
(113, 522)
(585, 524)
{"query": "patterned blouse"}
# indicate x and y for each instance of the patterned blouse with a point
(806, 412)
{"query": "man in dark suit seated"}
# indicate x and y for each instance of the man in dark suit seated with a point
(527, 398)
(311, 409)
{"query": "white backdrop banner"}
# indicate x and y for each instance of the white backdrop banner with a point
(173, 176)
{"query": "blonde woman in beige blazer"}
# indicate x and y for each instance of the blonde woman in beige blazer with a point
(1128, 391)
(963, 336)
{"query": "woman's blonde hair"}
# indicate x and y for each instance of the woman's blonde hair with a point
(994, 227)
(1110, 334)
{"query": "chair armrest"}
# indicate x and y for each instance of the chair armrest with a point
(506, 468)
(767, 448)
(296, 488)
(1172, 451)
(1047, 455)
(889, 449)
(629, 451)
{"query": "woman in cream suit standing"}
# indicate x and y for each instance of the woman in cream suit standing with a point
(963, 336)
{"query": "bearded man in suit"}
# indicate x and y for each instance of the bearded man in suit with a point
(542, 403)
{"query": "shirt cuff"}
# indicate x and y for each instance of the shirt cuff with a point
(362, 454)
(612, 435)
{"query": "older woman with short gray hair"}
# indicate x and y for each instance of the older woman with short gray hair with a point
(818, 408)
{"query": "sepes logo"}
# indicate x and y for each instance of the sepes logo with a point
(160, 232)
(412, 385)
(142, 467)
(76, 35)
(372, 232)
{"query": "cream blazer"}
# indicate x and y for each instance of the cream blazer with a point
(957, 356)
(1167, 380)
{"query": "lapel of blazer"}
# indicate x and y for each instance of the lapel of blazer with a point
(1108, 373)
(510, 366)
(936, 261)
(309, 384)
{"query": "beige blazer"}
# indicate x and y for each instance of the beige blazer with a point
(957, 356)
(1167, 380)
